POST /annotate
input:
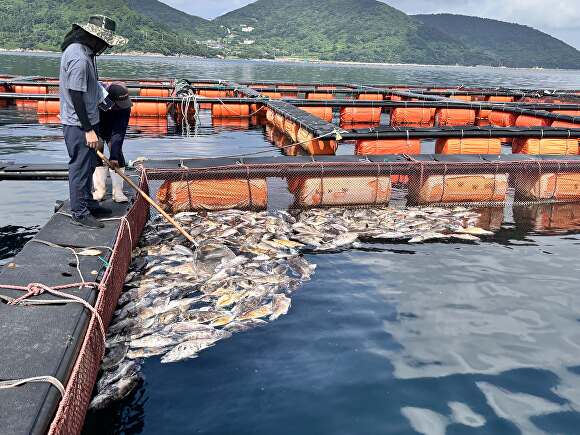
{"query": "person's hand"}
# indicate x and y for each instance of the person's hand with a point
(114, 164)
(92, 139)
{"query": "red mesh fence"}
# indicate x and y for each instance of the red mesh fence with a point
(72, 409)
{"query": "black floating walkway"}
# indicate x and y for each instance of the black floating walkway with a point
(45, 340)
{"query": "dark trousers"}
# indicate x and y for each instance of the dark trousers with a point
(81, 167)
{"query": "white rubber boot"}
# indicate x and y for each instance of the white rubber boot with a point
(117, 182)
(100, 183)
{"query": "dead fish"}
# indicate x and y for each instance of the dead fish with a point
(475, 231)
(280, 305)
(127, 368)
(114, 355)
(160, 339)
(115, 392)
(187, 350)
(263, 311)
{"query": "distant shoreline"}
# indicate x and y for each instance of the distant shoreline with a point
(280, 60)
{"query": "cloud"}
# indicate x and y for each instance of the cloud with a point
(557, 17)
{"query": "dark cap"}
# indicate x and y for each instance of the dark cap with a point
(119, 93)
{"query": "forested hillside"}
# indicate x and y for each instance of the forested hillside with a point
(511, 45)
(41, 24)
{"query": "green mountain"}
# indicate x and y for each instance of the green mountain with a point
(42, 24)
(348, 30)
(511, 45)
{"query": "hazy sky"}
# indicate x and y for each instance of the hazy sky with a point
(559, 18)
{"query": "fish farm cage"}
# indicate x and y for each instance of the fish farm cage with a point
(487, 146)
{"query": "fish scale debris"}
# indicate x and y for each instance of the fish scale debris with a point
(179, 301)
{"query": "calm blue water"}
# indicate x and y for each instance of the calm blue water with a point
(389, 339)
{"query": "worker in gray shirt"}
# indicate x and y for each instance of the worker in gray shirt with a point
(80, 96)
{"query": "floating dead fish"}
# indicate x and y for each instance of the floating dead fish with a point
(179, 301)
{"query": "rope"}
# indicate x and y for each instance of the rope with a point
(36, 289)
(13, 383)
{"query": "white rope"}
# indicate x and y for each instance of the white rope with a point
(13, 383)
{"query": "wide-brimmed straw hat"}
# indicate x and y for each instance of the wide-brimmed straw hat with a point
(103, 28)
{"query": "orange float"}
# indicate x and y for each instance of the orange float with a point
(502, 119)
(457, 188)
(180, 196)
(559, 187)
(230, 110)
(545, 146)
(387, 146)
(324, 113)
(413, 117)
(532, 121)
(337, 191)
(462, 97)
(149, 109)
(316, 146)
(48, 107)
(468, 146)
(291, 129)
(370, 97)
(454, 117)
(212, 93)
(319, 96)
(154, 92)
(360, 114)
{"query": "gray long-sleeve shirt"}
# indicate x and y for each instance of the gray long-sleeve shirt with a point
(78, 73)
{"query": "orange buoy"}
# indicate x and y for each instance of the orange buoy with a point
(212, 93)
(502, 119)
(532, 121)
(324, 113)
(48, 107)
(545, 146)
(370, 97)
(316, 146)
(468, 146)
(500, 99)
(291, 129)
(413, 117)
(387, 146)
(560, 187)
(154, 92)
(149, 109)
(457, 188)
(454, 117)
(230, 110)
(326, 88)
(270, 115)
(180, 196)
(335, 191)
(279, 121)
(30, 89)
(462, 97)
(360, 114)
(318, 96)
